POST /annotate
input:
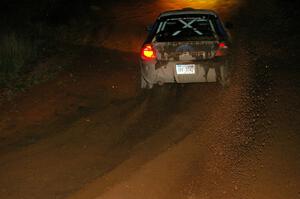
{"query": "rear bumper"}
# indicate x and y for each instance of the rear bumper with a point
(205, 71)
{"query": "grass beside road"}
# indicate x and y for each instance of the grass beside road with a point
(16, 52)
(32, 33)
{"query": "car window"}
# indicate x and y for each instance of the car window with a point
(185, 28)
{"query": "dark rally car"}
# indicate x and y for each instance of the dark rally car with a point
(185, 46)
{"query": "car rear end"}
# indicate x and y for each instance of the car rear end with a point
(185, 47)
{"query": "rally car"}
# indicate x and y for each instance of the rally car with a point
(186, 46)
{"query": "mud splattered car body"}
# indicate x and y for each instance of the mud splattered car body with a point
(185, 46)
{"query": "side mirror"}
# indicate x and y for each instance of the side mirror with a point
(149, 28)
(229, 25)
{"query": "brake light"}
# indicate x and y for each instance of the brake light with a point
(147, 52)
(221, 49)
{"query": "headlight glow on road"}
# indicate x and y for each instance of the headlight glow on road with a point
(178, 4)
(224, 7)
(126, 31)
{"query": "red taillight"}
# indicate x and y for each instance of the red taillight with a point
(222, 45)
(221, 49)
(147, 52)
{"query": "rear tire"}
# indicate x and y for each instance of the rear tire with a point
(145, 84)
(224, 79)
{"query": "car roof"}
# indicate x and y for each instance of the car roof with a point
(185, 11)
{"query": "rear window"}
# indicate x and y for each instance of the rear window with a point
(186, 28)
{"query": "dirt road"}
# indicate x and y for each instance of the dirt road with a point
(107, 139)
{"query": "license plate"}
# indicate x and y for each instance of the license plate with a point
(185, 69)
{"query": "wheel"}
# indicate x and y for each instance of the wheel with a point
(145, 84)
(224, 79)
